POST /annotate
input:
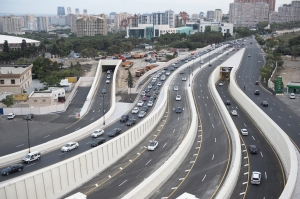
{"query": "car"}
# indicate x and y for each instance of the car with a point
(147, 90)
(256, 82)
(162, 78)
(264, 103)
(144, 108)
(201, 62)
(159, 84)
(168, 73)
(140, 103)
(209, 64)
(178, 97)
(244, 132)
(292, 96)
(153, 145)
(143, 93)
(178, 110)
(69, 146)
(156, 92)
(153, 80)
(151, 99)
(234, 112)
(11, 169)
(144, 98)
(142, 114)
(176, 62)
(155, 88)
(32, 156)
(186, 61)
(165, 68)
(97, 133)
(163, 72)
(150, 86)
(173, 64)
(227, 102)
(108, 72)
(256, 92)
(150, 103)
(135, 110)
(148, 94)
(124, 118)
(154, 96)
(97, 142)
(29, 116)
(107, 81)
(221, 84)
(103, 91)
(249, 55)
(252, 149)
(183, 78)
(255, 177)
(172, 69)
(176, 66)
(175, 88)
(11, 116)
(131, 122)
(114, 132)
(250, 42)
(108, 76)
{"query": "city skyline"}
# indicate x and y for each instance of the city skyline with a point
(130, 6)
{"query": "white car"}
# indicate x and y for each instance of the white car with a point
(108, 77)
(183, 78)
(292, 96)
(244, 132)
(11, 116)
(135, 110)
(150, 86)
(178, 97)
(140, 103)
(176, 62)
(142, 114)
(143, 93)
(108, 72)
(175, 88)
(173, 64)
(158, 84)
(107, 81)
(201, 62)
(70, 146)
(221, 84)
(168, 73)
(152, 146)
(97, 133)
(150, 103)
(234, 112)
(255, 177)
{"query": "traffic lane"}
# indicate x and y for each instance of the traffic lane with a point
(265, 161)
(169, 139)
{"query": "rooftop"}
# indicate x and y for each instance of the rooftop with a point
(40, 94)
(15, 40)
(13, 69)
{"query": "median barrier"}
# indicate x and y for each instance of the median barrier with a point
(95, 82)
(275, 135)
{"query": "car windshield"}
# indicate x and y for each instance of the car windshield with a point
(123, 116)
(27, 156)
(67, 145)
(152, 144)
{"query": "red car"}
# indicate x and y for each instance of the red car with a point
(256, 83)
(144, 98)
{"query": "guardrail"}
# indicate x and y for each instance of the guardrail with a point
(57, 143)
(275, 135)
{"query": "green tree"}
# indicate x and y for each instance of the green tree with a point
(129, 80)
(113, 49)
(23, 44)
(8, 100)
(5, 47)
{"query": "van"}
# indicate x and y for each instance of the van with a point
(35, 155)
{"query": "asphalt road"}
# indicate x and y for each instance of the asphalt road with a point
(202, 172)
(265, 161)
(43, 128)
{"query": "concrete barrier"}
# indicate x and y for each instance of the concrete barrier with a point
(275, 135)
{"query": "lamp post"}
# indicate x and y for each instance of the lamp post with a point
(103, 109)
(28, 137)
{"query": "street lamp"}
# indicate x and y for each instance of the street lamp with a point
(27, 119)
(103, 109)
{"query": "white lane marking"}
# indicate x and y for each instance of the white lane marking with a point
(96, 185)
(289, 125)
(279, 116)
(208, 114)
(213, 125)
(281, 109)
(290, 116)
(92, 119)
(274, 103)
(93, 111)
(20, 145)
(245, 125)
(242, 193)
(245, 182)
(109, 176)
(164, 145)
(46, 136)
(187, 170)
(77, 129)
(181, 178)
(270, 109)
(215, 139)
(61, 153)
(148, 162)
(266, 175)
(213, 157)
(174, 188)
(130, 160)
(201, 90)
(205, 105)
(261, 154)
(173, 130)
(99, 111)
(206, 97)
(203, 178)
(122, 183)
(246, 165)
(30, 165)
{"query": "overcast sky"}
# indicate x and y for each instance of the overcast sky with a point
(130, 6)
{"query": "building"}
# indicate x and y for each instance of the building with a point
(181, 19)
(42, 23)
(58, 20)
(286, 13)
(91, 25)
(69, 11)
(201, 15)
(77, 11)
(15, 78)
(120, 19)
(133, 21)
(195, 17)
(218, 15)
(85, 12)
(248, 14)
(210, 14)
(12, 24)
(271, 3)
(216, 26)
(15, 42)
(30, 22)
(61, 11)
(46, 98)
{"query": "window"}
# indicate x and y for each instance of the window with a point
(44, 100)
(13, 81)
(1, 81)
(35, 101)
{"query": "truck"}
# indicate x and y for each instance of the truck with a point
(32, 156)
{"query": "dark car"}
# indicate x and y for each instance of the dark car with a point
(256, 92)
(165, 68)
(124, 118)
(252, 149)
(114, 132)
(156, 92)
(227, 102)
(178, 110)
(148, 94)
(144, 98)
(172, 69)
(29, 116)
(97, 142)
(264, 103)
(103, 91)
(131, 122)
(144, 108)
(182, 72)
(11, 169)
(256, 82)
(147, 90)
(155, 88)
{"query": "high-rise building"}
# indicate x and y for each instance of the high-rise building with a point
(120, 19)
(218, 15)
(158, 18)
(195, 17)
(91, 25)
(270, 2)
(12, 24)
(85, 12)
(69, 11)
(181, 19)
(29, 22)
(61, 11)
(286, 13)
(201, 15)
(77, 11)
(42, 23)
(210, 14)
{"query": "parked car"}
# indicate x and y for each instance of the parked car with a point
(150, 86)
(140, 103)
(124, 118)
(244, 132)
(178, 97)
(32, 156)
(69, 146)
(153, 145)
(114, 132)
(97, 142)
(172, 69)
(11, 169)
(252, 149)
(97, 133)
(264, 103)
(135, 110)
(29, 116)
(142, 114)
(256, 92)
(227, 102)
(131, 122)
(234, 112)
(255, 177)
(178, 110)
(292, 96)
(11, 116)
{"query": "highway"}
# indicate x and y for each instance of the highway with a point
(265, 161)
(44, 128)
(248, 73)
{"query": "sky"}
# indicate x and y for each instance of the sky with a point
(131, 6)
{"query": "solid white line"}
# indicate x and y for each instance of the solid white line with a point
(148, 162)
(208, 114)
(261, 154)
(178, 118)
(290, 116)
(213, 125)
(20, 145)
(213, 157)
(173, 130)
(92, 118)
(266, 175)
(289, 125)
(245, 182)
(205, 105)
(122, 183)
(245, 125)
(203, 178)
(164, 145)
(46, 136)
(30, 165)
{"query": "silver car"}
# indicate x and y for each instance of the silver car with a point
(70, 146)
(142, 114)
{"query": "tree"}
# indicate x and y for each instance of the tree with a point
(157, 48)
(23, 44)
(113, 49)
(8, 100)
(129, 83)
(6, 47)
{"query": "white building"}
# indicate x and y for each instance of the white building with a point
(218, 15)
(12, 24)
(42, 23)
(216, 26)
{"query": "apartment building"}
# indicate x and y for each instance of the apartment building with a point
(218, 15)
(158, 18)
(42, 23)
(210, 14)
(91, 25)
(120, 19)
(271, 3)
(12, 24)
(181, 19)
(286, 13)
(30, 22)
